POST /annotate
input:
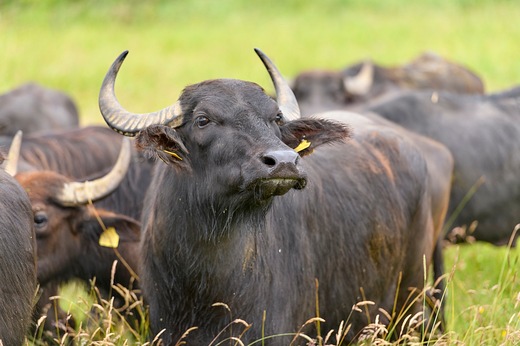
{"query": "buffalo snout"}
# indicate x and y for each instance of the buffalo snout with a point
(281, 173)
(278, 158)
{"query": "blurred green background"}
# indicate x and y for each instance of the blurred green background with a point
(69, 45)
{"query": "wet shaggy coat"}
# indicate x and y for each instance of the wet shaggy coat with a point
(220, 225)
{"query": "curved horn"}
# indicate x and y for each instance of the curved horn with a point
(76, 193)
(125, 122)
(10, 165)
(284, 95)
(361, 83)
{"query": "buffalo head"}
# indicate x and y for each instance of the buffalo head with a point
(66, 229)
(227, 134)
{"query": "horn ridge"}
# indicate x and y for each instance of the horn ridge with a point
(81, 193)
(123, 121)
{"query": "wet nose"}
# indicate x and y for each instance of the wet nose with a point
(276, 158)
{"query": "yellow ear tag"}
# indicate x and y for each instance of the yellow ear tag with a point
(304, 144)
(173, 154)
(109, 238)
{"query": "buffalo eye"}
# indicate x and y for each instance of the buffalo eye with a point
(40, 219)
(279, 119)
(202, 121)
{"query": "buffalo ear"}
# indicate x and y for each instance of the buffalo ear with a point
(164, 143)
(304, 135)
(127, 228)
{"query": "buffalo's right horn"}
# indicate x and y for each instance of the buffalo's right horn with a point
(81, 193)
(284, 95)
(361, 83)
(10, 165)
(124, 122)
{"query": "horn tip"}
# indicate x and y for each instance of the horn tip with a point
(18, 136)
(261, 54)
(122, 56)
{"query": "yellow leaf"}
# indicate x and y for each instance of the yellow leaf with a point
(109, 238)
(304, 144)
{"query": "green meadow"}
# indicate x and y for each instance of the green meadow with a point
(69, 45)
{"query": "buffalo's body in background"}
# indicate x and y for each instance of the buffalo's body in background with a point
(35, 108)
(480, 132)
(319, 90)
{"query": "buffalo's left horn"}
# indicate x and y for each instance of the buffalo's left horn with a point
(124, 122)
(81, 193)
(284, 95)
(10, 165)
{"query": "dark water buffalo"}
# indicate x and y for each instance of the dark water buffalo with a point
(318, 91)
(67, 232)
(34, 108)
(480, 132)
(240, 213)
(17, 261)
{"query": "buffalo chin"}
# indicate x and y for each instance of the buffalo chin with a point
(267, 188)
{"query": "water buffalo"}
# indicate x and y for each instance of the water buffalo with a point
(67, 232)
(242, 213)
(34, 108)
(318, 91)
(17, 261)
(478, 130)
(68, 235)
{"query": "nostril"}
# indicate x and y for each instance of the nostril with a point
(269, 161)
(275, 158)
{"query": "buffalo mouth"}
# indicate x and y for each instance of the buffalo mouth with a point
(267, 187)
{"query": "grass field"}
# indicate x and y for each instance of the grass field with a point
(69, 46)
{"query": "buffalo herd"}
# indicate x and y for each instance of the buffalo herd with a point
(332, 199)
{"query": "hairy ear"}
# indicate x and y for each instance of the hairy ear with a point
(164, 143)
(97, 220)
(304, 135)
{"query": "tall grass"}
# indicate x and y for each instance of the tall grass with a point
(487, 314)
(484, 294)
